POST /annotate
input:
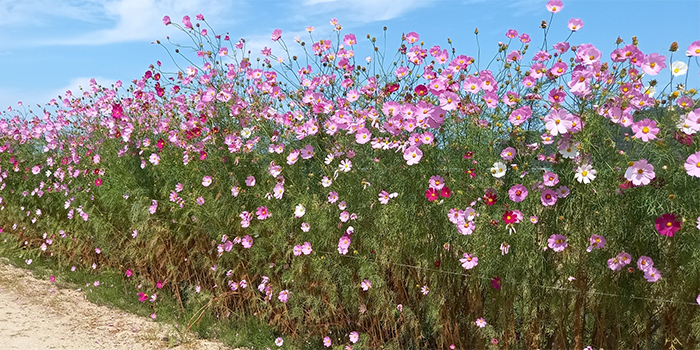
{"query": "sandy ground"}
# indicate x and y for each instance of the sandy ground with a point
(36, 314)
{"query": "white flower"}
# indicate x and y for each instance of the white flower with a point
(329, 159)
(649, 91)
(678, 68)
(326, 181)
(299, 211)
(585, 174)
(498, 170)
(345, 165)
(246, 132)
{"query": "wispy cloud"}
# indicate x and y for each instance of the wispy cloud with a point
(118, 20)
(366, 10)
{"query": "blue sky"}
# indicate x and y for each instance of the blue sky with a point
(49, 46)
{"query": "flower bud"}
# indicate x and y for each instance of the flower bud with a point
(674, 47)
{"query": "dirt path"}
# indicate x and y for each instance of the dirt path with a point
(36, 314)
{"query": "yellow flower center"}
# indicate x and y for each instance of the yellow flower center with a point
(698, 165)
(640, 171)
(554, 8)
(519, 192)
(645, 129)
(676, 70)
(558, 241)
(669, 224)
(652, 64)
(584, 173)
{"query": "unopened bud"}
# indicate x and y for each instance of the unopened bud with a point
(476, 31)
(635, 42)
(544, 24)
(619, 41)
(674, 47)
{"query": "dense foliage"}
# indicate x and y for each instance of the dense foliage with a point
(544, 200)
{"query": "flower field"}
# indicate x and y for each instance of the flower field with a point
(410, 199)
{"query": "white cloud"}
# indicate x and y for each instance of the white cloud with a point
(366, 10)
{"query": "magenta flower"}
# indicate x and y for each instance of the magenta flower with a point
(640, 173)
(667, 225)
(128, 273)
(549, 197)
(143, 297)
(692, 164)
(652, 274)
(653, 63)
(98, 182)
(517, 193)
(431, 194)
(644, 263)
(496, 283)
(262, 213)
(508, 153)
(550, 179)
(557, 242)
(575, 24)
(645, 130)
(469, 261)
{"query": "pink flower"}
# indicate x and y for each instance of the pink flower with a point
(469, 261)
(667, 225)
(645, 130)
(366, 285)
(343, 244)
(412, 155)
(283, 296)
(640, 173)
(554, 6)
(306, 248)
(652, 274)
(520, 115)
(575, 24)
(425, 290)
(327, 342)
(262, 213)
(508, 153)
(354, 337)
(307, 152)
(557, 242)
(480, 322)
(692, 164)
(517, 193)
(693, 50)
(597, 242)
(558, 122)
(143, 297)
(250, 181)
(549, 197)
(200, 200)
(276, 34)
(128, 273)
(550, 179)
(436, 182)
(653, 63)
(98, 182)
(247, 242)
(644, 263)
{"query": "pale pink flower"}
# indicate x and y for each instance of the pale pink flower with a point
(640, 173)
